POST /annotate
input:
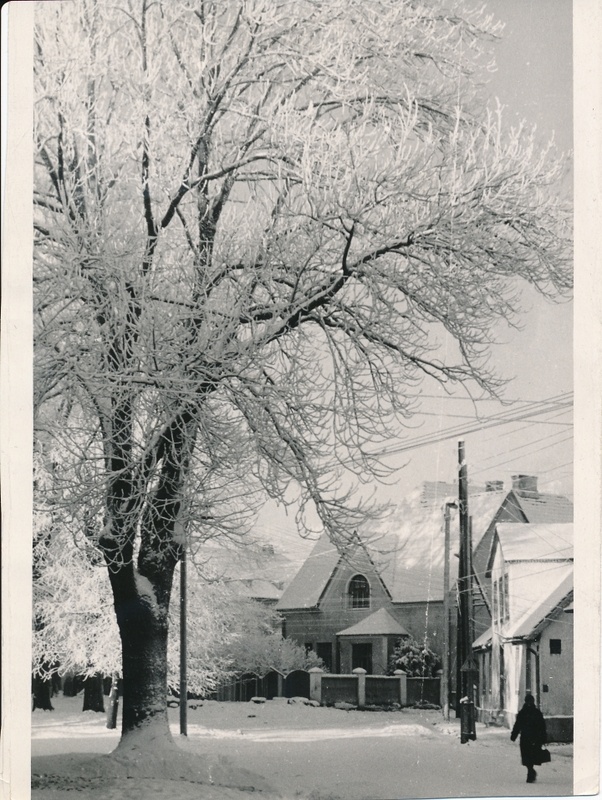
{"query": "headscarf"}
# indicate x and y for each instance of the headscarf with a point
(529, 700)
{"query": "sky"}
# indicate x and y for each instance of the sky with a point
(534, 82)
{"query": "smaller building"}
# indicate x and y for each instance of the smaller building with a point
(529, 646)
(370, 643)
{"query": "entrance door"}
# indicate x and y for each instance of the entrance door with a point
(324, 651)
(361, 656)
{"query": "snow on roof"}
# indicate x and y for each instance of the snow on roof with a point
(560, 595)
(545, 507)
(259, 589)
(305, 589)
(252, 570)
(409, 545)
(535, 542)
(381, 623)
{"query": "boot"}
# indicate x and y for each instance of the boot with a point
(531, 775)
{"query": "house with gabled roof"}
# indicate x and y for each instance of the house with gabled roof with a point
(524, 503)
(333, 591)
(395, 567)
(398, 565)
(529, 646)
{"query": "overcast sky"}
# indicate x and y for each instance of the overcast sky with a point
(534, 82)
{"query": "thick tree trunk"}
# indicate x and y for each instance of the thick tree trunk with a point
(42, 688)
(93, 694)
(143, 629)
(72, 685)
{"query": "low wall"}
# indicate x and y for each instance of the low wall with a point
(424, 690)
(356, 688)
(382, 691)
(337, 689)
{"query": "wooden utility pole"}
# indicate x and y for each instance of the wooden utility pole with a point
(465, 638)
(445, 672)
(183, 651)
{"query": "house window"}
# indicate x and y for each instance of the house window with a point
(501, 600)
(359, 592)
(555, 647)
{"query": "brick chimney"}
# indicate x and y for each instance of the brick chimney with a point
(494, 486)
(525, 485)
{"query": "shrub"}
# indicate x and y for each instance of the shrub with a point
(416, 660)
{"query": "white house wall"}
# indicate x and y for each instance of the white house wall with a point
(556, 671)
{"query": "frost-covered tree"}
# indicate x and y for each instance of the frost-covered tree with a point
(259, 224)
(262, 648)
(76, 630)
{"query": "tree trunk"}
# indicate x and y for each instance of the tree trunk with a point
(113, 703)
(143, 629)
(93, 694)
(42, 688)
(72, 685)
(56, 684)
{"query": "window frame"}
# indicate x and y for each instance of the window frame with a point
(355, 600)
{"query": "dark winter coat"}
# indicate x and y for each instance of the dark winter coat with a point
(532, 728)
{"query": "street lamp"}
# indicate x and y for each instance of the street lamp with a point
(445, 672)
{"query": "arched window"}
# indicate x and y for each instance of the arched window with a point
(359, 592)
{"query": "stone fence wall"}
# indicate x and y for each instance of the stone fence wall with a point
(357, 688)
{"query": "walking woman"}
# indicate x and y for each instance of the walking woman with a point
(532, 728)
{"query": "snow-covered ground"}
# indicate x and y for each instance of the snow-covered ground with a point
(290, 751)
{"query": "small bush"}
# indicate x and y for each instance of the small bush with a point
(416, 660)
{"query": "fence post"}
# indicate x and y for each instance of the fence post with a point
(403, 686)
(315, 684)
(442, 699)
(361, 686)
(280, 682)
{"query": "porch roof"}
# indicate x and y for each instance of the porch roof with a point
(483, 640)
(381, 623)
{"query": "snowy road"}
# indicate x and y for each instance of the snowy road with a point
(332, 754)
(395, 761)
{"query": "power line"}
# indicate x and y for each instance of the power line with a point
(490, 422)
(511, 460)
(531, 443)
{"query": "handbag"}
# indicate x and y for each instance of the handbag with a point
(545, 756)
